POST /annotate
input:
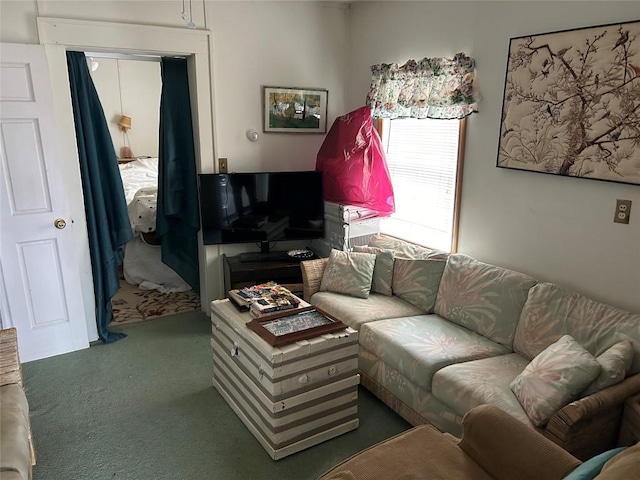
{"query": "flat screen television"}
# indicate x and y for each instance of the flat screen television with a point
(261, 207)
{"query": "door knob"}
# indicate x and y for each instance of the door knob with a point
(59, 223)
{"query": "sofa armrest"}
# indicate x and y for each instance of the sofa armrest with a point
(312, 271)
(10, 368)
(11, 372)
(507, 448)
(590, 425)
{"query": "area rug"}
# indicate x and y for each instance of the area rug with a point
(131, 304)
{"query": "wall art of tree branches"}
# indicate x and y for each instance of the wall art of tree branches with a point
(572, 104)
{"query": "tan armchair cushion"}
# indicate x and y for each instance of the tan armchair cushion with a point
(419, 453)
(623, 465)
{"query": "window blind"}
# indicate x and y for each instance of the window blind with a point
(422, 157)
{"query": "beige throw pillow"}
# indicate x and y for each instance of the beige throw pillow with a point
(554, 378)
(348, 273)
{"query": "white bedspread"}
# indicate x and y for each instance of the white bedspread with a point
(140, 182)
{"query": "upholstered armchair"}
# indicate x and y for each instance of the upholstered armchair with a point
(494, 446)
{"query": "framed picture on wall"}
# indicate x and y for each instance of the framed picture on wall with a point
(571, 105)
(295, 110)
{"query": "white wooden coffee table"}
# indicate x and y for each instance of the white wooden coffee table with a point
(290, 397)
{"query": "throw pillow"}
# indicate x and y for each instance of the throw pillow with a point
(417, 281)
(554, 378)
(383, 269)
(592, 467)
(348, 273)
(615, 363)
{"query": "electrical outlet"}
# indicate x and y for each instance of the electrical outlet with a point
(222, 165)
(623, 210)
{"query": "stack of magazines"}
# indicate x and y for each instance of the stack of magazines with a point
(264, 299)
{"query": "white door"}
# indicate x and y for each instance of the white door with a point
(40, 280)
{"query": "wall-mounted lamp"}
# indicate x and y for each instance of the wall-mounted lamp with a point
(94, 64)
(252, 135)
(125, 125)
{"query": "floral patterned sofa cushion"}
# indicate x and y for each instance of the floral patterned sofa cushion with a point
(421, 405)
(357, 311)
(464, 386)
(481, 297)
(551, 312)
(419, 346)
(417, 281)
(404, 249)
(383, 269)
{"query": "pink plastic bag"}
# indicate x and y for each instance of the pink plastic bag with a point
(354, 166)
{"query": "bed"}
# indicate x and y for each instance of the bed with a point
(142, 264)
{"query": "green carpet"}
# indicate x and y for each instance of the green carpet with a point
(145, 408)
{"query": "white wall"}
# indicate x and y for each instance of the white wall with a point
(297, 44)
(132, 88)
(556, 229)
(18, 21)
(281, 43)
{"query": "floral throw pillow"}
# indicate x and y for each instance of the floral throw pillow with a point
(417, 281)
(348, 273)
(383, 270)
(615, 363)
(554, 378)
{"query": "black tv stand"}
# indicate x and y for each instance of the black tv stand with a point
(238, 274)
(264, 256)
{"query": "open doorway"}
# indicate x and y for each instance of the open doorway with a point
(61, 35)
(129, 87)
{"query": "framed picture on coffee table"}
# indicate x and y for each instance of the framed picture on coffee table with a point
(292, 326)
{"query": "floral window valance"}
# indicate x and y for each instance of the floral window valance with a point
(429, 88)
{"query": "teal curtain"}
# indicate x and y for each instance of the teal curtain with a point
(178, 217)
(104, 201)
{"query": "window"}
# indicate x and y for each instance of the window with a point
(424, 157)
